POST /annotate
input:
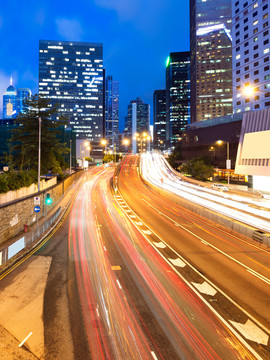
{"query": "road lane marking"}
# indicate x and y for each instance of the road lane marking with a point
(154, 355)
(178, 262)
(205, 288)
(251, 332)
(147, 232)
(204, 242)
(259, 276)
(160, 245)
(214, 247)
(132, 216)
(207, 303)
(115, 267)
(119, 285)
(119, 212)
(24, 340)
(138, 222)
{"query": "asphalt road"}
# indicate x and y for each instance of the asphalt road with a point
(238, 269)
(136, 277)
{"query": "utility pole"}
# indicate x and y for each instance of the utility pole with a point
(39, 151)
(70, 156)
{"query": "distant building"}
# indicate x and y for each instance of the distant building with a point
(251, 54)
(177, 96)
(211, 59)
(22, 95)
(137, 122)
(71, 75)
(9, 102)
(112, 112)
(159, 117)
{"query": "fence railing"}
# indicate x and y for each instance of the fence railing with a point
(28, 238)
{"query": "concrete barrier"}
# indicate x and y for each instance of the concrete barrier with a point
(228, 224)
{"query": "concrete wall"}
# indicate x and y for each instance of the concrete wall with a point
(14, 215)
(229, 224)
(25, 191)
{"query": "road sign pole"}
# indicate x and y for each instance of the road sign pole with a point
(45, 208)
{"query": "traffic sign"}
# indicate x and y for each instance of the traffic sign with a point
(37, 200)
(37, 209)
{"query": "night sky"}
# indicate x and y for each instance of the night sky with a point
(137, 36)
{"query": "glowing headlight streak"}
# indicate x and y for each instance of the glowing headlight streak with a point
(154, 168)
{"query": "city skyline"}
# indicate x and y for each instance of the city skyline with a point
(150, 30)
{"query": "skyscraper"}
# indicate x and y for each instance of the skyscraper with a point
(112, 112)
(9, 102)
(22, 95)
(137, 122)
(251, 55)
(211, 59)
(177, 95)
(71, 76)
(159, 117)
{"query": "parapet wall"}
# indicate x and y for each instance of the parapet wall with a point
(18, 213)
(231, 225)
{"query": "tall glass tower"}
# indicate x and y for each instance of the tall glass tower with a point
(159, 117)
(177, 96)
(211, 59)
(22, 95)
(71, 76)
(137, 122)
(112, 112)
(9, 102)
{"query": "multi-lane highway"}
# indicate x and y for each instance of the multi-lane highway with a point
(145, 279)
(205, 255)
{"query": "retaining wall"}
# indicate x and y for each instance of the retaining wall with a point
(16, 214)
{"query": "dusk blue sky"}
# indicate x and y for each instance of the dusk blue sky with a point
(137, 37)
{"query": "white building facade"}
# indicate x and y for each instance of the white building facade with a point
(251, 53)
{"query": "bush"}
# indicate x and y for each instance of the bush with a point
(12, 180)
(198, 169)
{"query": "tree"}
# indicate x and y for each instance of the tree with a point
(198, 169)
(176, 156)
(24, 140)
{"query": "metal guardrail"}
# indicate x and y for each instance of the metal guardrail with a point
(7, 253)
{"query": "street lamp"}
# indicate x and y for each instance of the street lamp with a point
(39, 150)
(228, 161)
(126, 142)
(104, 142)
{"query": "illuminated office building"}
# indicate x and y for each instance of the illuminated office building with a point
(159, 117)
(177, 95)
(9, 102)
(211, 59)
(251, 54)
(22, 95)
(71, 76)
(112, 112)
(137, 122)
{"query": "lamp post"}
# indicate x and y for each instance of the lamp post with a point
(228, 161)
(70, 156)
(39, 150)
(126, 142)
(104, 142)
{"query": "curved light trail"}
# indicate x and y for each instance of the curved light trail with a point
(114, 322)
(156, 170)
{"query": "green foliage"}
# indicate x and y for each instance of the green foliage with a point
(198, 169)
(24, 140)
(111, 157)
(176, 156)
(13, 180)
